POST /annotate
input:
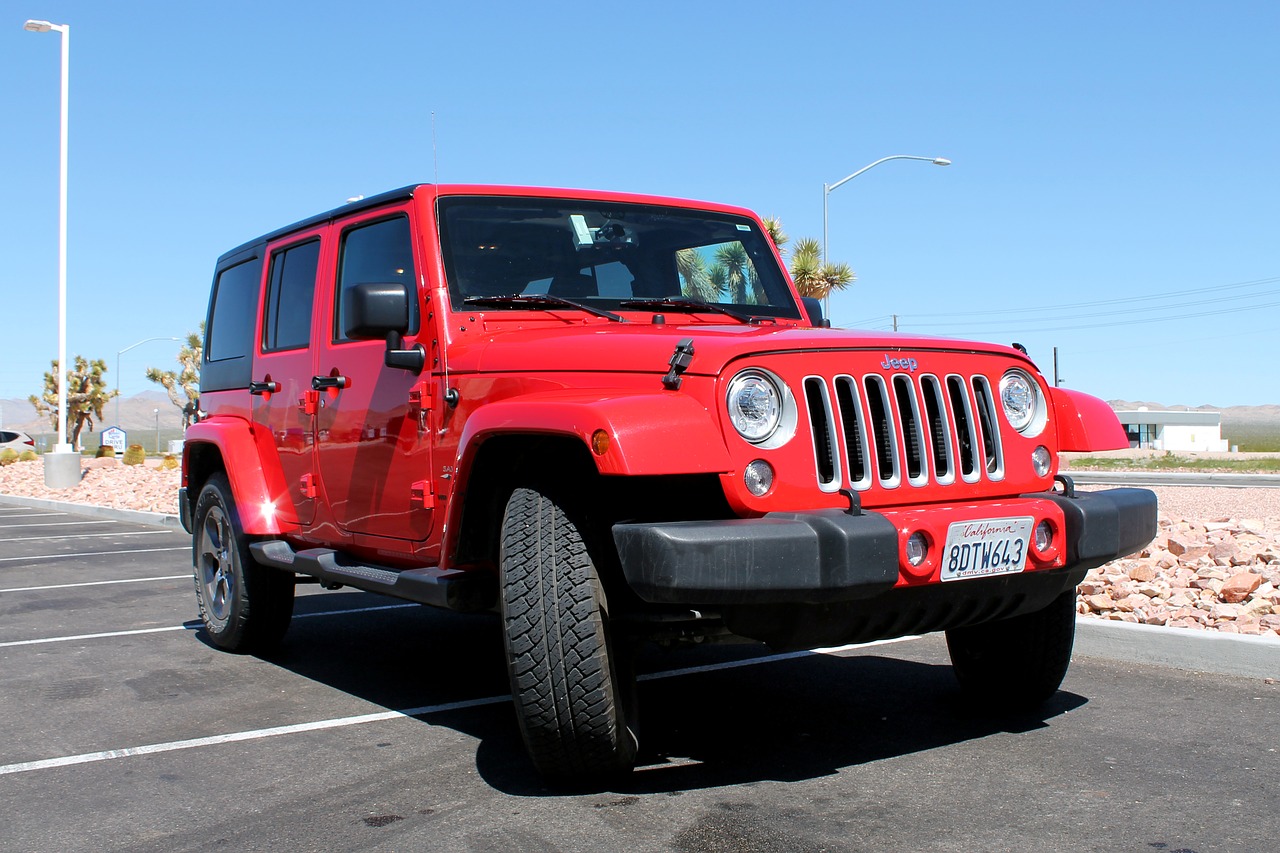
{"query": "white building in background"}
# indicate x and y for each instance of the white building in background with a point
(1173, 430)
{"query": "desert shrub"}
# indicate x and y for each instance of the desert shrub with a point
(106, 451)
(8, 456)
(169, 462)
(134, 455)
(28, 456)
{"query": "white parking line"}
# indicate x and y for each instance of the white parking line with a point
(132, 633)
(6, 515)
(93, 583)
(56, 524)
(342, 722)
(91, 554)
(89, 536)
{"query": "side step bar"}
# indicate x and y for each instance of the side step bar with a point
(452, 589)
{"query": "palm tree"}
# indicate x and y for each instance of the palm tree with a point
(812, 277)
(698, 282)
(733, 257)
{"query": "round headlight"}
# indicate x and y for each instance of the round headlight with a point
(755, 406)
(1020, 399)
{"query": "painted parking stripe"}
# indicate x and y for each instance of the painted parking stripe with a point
(90, 536)
(188, 627)
(56, 524)
(343, 722)
(93, 583)
(90, 554)
(6, 515)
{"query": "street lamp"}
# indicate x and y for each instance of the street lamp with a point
(122, 352)
(827, 188)
(63, 469)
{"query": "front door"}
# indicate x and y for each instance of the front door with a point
(372, 442)
(284, 365)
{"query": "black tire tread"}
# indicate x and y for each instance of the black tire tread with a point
(264, 609)
(563, 678)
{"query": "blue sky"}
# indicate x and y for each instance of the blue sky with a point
(1113, 193)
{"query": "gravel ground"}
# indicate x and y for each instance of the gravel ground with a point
(1215, 563)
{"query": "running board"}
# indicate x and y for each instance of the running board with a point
(452, 589)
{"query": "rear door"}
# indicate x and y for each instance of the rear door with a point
(283, 400)
(372, 441)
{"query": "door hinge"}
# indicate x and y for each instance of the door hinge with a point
(307, 485)
(421, 496)
(309, 402)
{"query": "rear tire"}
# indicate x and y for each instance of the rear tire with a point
(246, 607)
(1016, 663)
(571, 689)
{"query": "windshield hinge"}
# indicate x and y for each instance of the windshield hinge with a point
(679, 364)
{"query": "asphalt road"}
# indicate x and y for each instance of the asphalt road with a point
(121, 729)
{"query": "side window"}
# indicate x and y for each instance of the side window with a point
(233, 312)
(7, 436)
(286, 322)
(378, 253)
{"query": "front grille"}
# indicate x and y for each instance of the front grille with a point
(873, 431)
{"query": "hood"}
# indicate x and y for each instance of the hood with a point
(644, 347)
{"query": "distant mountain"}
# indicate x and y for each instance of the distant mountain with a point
(1230, 414)
(136, 414)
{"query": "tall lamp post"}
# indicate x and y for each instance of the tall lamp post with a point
(122, 352)
(827, 188)
(62, 468)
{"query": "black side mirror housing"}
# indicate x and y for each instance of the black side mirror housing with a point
(813, 307)
(381, 310)
(374, 310)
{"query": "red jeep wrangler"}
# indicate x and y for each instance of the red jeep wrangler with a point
(610, 419)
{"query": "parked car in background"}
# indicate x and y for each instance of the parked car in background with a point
(16, 441)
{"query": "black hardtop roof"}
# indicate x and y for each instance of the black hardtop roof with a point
(350, 207)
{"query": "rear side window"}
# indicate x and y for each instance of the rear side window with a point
(290, 295)
(376, 254)
(233, 313)
(7, 436)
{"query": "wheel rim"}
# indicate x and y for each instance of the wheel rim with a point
(216, 576)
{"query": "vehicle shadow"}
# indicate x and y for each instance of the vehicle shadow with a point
(782, 718)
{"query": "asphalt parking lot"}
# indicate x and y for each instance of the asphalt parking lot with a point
(385, 726)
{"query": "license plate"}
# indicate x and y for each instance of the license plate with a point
(979, 549)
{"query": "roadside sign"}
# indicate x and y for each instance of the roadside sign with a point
(114, 437)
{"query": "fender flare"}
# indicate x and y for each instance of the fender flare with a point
(1086, 423)
(253, 485)
(649, 434)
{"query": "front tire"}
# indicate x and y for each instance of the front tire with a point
(1016, 663)
(570, 687)
(246, 607)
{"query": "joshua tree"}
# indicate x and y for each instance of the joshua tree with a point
(811, 275)
(187, 378)
(87, 393)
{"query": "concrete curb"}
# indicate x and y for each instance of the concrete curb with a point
(133, 516)
(1180, 648)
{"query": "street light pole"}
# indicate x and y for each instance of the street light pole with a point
(122, 352)
(58, 473)
(827, 188)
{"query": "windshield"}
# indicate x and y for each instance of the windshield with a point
(605, 254)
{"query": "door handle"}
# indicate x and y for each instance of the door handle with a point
(265, 387)
(319, 383)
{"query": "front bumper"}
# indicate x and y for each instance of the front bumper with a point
(831, 556)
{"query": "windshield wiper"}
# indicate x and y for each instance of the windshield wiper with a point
(681, 303)
(542, 300)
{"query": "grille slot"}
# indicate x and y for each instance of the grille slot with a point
(821, 422)
(891, 429)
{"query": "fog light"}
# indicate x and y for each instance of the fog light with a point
(917, 549)
(758, 477)
(1041, 461)
(1044, 536)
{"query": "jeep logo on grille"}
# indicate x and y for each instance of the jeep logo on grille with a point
(899, 364)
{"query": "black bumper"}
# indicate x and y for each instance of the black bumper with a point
(831, 556)
(184, 509)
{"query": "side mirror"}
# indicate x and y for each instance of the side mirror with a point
(813, 307)
(372, 311)
(381, 310)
